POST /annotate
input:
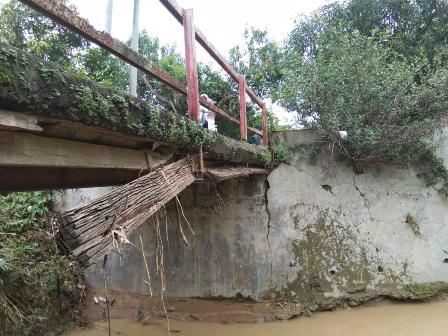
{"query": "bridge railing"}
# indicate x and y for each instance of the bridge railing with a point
(66, 17)
(185, 17)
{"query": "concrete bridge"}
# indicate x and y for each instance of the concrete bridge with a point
(59, 131)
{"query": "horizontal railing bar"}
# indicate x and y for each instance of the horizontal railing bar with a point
(255, 131)
(218, 111)
(66, 17)
(176, 11)
(214, 53)
(212, 107)
(204, 102)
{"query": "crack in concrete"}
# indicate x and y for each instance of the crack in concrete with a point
(356, 186)
(266, 188)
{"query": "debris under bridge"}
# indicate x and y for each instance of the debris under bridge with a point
(93, 229)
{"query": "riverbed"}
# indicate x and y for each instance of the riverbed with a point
(394, 319)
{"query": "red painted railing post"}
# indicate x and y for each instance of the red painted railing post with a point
(264, 124)
(191, 65)
(243, 115)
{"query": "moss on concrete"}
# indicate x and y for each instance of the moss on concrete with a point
(228, 148)
(31, 85)
(427, 290)
(326, 276)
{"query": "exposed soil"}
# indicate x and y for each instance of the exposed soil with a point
(129, 306)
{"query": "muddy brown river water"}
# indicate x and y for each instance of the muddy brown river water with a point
(383, 320)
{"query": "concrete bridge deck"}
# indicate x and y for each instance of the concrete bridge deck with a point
(60, 130)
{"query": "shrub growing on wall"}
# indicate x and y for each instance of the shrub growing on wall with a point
(387, 104)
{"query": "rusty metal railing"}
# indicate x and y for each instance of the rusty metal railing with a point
(66, 17)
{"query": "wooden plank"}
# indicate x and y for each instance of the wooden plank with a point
(92, 229)
(23, 149)
(63, 129)
(228, 172)
(18, 121)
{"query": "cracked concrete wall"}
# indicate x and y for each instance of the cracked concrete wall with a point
(311, 232)
(346, 233)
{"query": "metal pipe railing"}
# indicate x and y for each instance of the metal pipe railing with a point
(178, 13)
(69, 19)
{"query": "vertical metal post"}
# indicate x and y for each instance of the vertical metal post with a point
(134, 46)
(264, 124)
(109, 10)
(191, 65)
(243, 115)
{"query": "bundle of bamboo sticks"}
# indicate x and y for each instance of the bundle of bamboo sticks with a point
(93, 229)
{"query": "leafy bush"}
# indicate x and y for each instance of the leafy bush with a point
(38, 289)
(280, 155)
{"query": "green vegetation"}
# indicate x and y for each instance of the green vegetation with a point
(39, 290)
(370, 78)
(381, 79)
(428, 289)
(432, 170)
(376, 69)
(91, 103)
(280, 154)
(307, 151)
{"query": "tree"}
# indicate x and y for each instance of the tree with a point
(373, 68)
(27, 29)
(259, 60)
(99, 65)
(361, 85)
(415, 27)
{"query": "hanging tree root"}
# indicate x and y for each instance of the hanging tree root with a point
(93, 229)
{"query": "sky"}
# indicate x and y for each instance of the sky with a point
(223, 22)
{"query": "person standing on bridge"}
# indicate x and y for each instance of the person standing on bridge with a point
(208, 117)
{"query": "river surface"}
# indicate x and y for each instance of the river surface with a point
(384, 320)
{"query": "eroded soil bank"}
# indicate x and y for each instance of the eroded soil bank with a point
(241, 309)
(380, 320)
